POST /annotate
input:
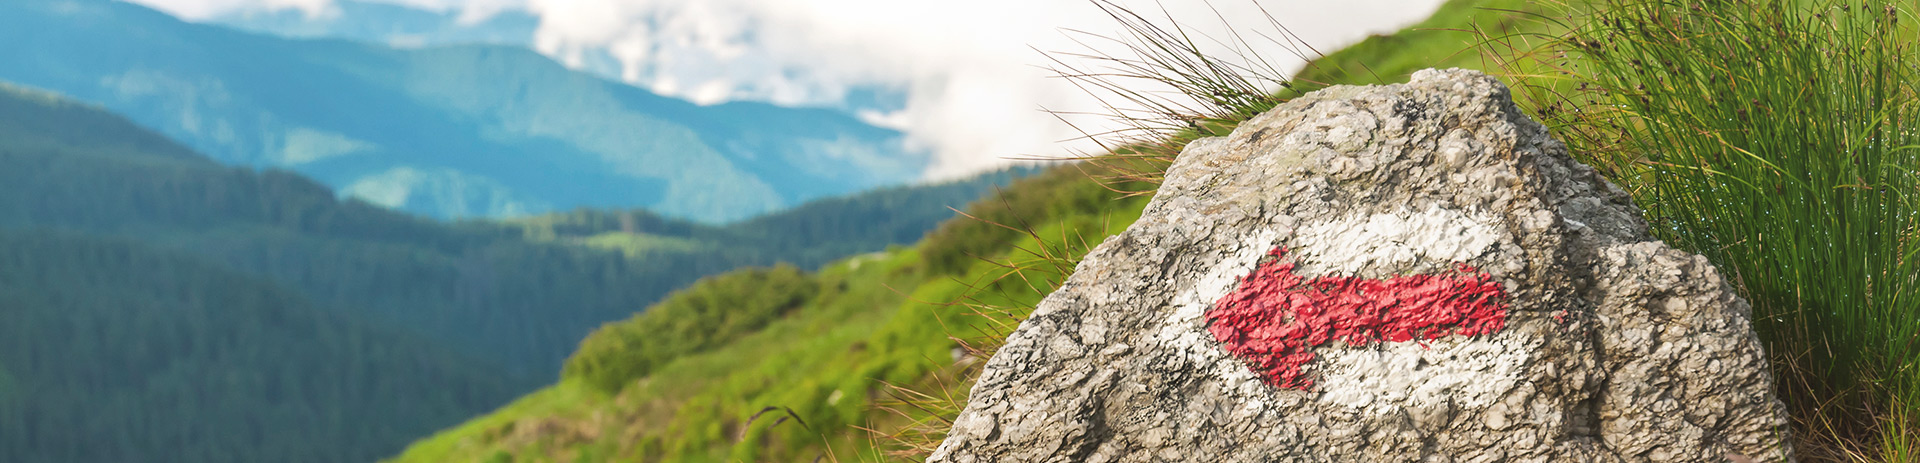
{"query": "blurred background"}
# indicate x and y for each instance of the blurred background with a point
(326, 230)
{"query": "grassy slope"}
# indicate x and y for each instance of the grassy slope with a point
(831, 359)
(870, 323)
(1443, 40)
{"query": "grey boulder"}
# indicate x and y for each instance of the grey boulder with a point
(1411, 272)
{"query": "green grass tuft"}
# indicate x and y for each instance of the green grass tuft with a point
(1779, 138)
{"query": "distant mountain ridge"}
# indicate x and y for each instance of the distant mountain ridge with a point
(394, 25)
(461, 131)
(404, 26)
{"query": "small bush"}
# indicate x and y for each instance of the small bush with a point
(709, 314)
(1001, 219)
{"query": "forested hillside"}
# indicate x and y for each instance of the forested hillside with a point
(809, 235)
(119, 352)
(157, 278)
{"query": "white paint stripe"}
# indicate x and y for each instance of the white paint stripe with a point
(1394, 242)
(1185, 331)
(1473, 373)
(1390, 376)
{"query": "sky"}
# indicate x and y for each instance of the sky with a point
(977, 76)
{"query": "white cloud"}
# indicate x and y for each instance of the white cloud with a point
(974, 82)
(202, 9)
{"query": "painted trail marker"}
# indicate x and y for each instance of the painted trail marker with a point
(1411, 272)
(1274, 317)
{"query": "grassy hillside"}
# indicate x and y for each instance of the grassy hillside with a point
(1745, 164)
(1450, 38)
(461, 131)
(820, 382)
(160, 306)
(678, 394)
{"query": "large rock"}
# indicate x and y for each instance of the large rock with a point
(1407, 272)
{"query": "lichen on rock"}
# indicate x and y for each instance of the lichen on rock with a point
(1609, 346)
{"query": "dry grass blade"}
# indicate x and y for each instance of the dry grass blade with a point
(1164, 83)
(1035, 267)
(787, 413)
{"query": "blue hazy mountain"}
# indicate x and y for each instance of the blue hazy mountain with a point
(408, 27)
(456, 131)
(396, 25)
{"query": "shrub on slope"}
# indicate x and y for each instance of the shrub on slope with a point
(711, 313)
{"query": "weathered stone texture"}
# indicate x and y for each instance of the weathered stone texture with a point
(1616, 347)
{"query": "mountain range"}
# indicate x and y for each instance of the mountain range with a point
(403, 26)
(398, 26)
(457, 131)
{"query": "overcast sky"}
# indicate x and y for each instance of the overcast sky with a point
(972, 71)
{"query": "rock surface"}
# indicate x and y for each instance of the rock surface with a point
(1444, 281)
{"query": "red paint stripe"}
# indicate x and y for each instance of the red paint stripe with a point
(1274, 318)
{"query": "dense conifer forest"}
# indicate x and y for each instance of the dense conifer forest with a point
(120, 352)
